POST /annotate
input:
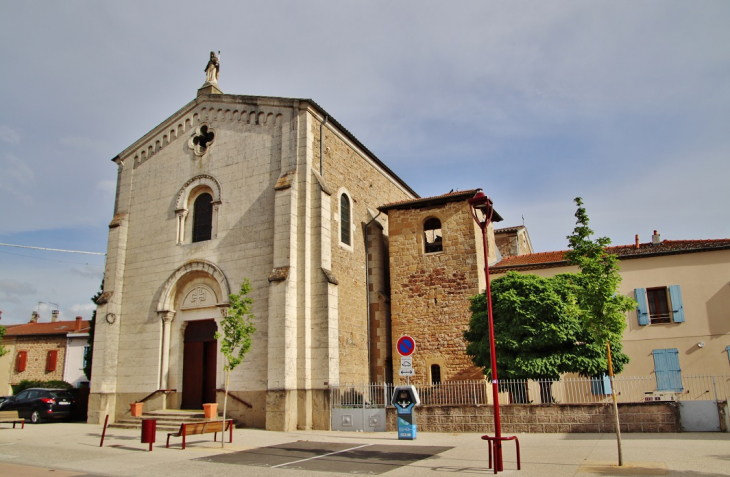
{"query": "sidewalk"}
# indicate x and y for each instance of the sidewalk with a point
(72, 449)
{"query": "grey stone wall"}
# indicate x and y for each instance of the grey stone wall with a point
(570, 418)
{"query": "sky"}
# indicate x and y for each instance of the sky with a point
(623, 103)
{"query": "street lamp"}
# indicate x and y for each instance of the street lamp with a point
(482, 210)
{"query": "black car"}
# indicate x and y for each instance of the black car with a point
(39, 404)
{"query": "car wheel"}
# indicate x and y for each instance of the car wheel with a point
(35, 417)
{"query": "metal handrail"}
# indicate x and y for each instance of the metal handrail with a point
(150, 396)
(235, 398)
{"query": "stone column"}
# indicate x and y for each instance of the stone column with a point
(216, 213)
(166, 317)
(181, 215)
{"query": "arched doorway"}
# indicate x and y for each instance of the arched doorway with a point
(199, 364)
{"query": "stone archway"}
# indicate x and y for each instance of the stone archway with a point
(186, 288)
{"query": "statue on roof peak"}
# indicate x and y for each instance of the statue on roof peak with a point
(212, 69)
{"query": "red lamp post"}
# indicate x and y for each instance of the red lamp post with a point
(482, 205)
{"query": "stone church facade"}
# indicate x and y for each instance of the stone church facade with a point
(231, 187)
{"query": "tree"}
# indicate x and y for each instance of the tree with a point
(92, 329)
(236, 337)
(3, 350)
(536, 325)
(604, 309)
(539, 331)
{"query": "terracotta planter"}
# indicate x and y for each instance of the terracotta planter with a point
(211, 410)
(136, 409)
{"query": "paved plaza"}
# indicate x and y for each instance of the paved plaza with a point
(72, 449)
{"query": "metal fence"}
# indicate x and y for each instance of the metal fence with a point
(568, 390)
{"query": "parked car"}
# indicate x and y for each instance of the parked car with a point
(39, 404)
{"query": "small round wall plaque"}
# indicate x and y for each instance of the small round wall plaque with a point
(111, 318)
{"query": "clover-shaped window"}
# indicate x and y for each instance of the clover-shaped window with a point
(202, 139)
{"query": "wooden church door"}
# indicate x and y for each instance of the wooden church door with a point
(199, 364)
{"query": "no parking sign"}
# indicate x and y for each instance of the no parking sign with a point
(406, 345)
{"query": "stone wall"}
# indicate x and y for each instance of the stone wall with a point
(430, 291)
(37, 348)
(570, 418)
(347, 169)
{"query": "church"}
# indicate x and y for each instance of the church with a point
(233, 187)
(343, 258)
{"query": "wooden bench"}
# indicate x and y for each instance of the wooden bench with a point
(12, 416)
(203, 427)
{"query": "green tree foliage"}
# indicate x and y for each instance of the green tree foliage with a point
(3, 350)
(92, 329)
(237, 328)
(604, 309)
(35, 383)
(545, 327)
(538, 327)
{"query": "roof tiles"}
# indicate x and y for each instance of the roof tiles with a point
(535, 261)
(49, 328)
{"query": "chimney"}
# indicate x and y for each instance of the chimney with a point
(637, 241)
(54, 315)
(656, 239)
(77, 325)
(34, 317)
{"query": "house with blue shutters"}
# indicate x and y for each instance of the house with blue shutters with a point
(682, 323)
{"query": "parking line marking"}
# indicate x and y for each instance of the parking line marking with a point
(323, 455)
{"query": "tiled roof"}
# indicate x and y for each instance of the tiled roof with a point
(48, 328)
(448, 197)
(541, 260)
(436, 200)
(507, 230)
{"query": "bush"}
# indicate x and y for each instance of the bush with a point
(26, 383)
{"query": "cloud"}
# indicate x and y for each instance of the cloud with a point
(82, 309)
(16, 178)
(84, 143)
(11, 136)
(11, 290)
(107, 187)
(88, 272)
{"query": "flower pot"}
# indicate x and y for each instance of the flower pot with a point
(211, 410)
(136, 409)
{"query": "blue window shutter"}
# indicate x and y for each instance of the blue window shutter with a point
(727, 348)
(666, 368)
(642, 311)
(601, 385)
(675, 296)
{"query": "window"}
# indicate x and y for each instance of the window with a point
(197, 215)
(435, 374)
(87, 356)
(20, 361)
(667, 370)
(432, 235)
(51, 359)
(202, 218)
(659, 305)
(345, 219)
